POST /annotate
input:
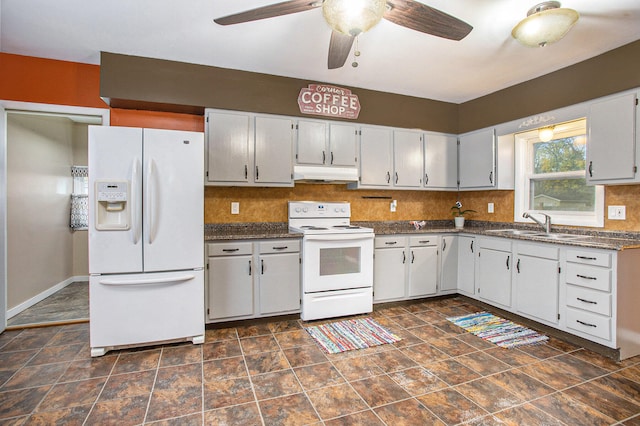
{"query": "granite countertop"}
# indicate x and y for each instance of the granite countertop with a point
(611, 240)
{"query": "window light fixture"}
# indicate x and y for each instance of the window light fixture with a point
(545, 23)
(546, 133)
(352, 17)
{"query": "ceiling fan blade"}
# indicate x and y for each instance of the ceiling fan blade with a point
(420, 17)
(271, 11)
(339, 48)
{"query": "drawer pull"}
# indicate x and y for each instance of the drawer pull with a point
(424, 242)
(390, 243)
(280, 248)
(586, 324)
(586, 277)
(587, 258)
(230, 250)
(587, 301)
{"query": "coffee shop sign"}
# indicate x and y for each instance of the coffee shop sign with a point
(331, 101)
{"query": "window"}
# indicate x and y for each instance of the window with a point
(550, 177)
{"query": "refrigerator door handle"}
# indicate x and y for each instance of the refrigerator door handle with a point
(147, 281)
(151, 204)
(136, 205)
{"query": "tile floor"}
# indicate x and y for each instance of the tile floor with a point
(68, 304)
(274, 374)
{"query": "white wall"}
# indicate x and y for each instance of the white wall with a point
(80, 238)
(39, 240)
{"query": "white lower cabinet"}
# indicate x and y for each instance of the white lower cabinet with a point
(537, 281)
(467, 265)
(449, 264)
(251, 279)
(405, 267)
(495, 262)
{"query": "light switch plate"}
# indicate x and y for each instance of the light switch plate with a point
(490, 208)
(617, 212)
(235, 208)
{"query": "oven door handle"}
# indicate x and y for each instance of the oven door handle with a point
(339, 237)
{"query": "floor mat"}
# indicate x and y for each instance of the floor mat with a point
(349, 335)
(500, 331)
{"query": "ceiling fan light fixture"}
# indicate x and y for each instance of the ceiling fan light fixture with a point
(545, 23)
(352, 17)
(545, 134)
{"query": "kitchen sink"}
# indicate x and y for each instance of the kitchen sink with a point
(513, 232)
(561, 237)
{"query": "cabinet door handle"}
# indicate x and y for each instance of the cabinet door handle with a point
(586, 323)
(587, 301)
(324, 157)
(508, 258)
(396, 178)
(404, 258)
(246, 171)
(388, 177)
(257, 173)
(586, 277)
(590, 168)
(444, 244)
(518, 266)
(413, 256)
(331, 157)
(426, 178)
(491, 177)
(586, 257)
(471, 246)
(230, 250)
(280, 248)
(261, 266)
(249, 267)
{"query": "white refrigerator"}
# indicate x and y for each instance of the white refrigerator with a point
(146, 230)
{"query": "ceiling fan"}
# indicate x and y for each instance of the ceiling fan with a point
(347, 23)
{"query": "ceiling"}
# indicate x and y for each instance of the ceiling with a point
(393, 59)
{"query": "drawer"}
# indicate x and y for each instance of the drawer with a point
(500, 244)
(589, 300)
(390, 241)
(544, 251)
(589, 323)
(589, 276)
(588, 257)
(279, 246)
(423, 240)
(229, 249)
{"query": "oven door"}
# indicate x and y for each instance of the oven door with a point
(337, 261)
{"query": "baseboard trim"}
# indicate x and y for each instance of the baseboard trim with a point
(41, 296)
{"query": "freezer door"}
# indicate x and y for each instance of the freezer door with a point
(139, 309)
(115, 154)
(173, 218)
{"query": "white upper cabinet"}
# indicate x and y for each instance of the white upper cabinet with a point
(408, 159)
(376, 156)
(323, 143)
(612, 151)
(440, 161)
(477, 160)
(229, 147)
(273, 150)
(248, 150)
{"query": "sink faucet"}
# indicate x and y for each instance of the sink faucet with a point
(547, 221)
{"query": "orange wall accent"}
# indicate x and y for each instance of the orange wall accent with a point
(156, 120)
(47, 81)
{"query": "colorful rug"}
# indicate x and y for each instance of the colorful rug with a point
(500, 331)
(349, 335)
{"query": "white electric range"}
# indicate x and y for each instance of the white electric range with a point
(337, 260)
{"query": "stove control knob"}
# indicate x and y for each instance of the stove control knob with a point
(337, 209)
(297, 209)
(343, 210)
(305, 209)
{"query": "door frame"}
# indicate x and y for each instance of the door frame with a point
(8, 106)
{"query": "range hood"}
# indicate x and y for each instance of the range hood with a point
(325, 174)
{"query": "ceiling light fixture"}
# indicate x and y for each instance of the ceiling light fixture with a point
(352, 17)
(545, 134)
(545, 23)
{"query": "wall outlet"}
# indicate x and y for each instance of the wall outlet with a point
(393, 205)
(235, 208)
(617, 212)
(490, 208)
